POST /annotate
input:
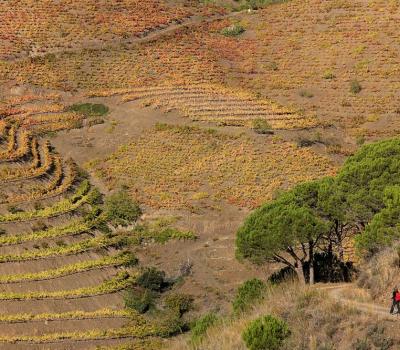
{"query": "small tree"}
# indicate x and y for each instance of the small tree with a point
(152, 279)
(140, 300)
(248, 294)
(121, 209)
(266, 333)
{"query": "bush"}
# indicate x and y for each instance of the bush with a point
(305, 143)
(247, 294)
(261, 126)
(355, 87)
(329, 75)
(199, 327)
(266, 333)
(90, 109)
(152, 279)
(139, 300)
(305, 93)
(233, 30)
(14, 210)
(179, 303)
(361, 344)
(121, 209)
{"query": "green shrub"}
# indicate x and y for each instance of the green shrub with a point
(89, 109)
(266, 333)
(261, 126)
(200, 327)
(140, 300)
(121, 209)
(233, 30)
(355, 87)
(179, 303)
(152, 279)
(328, 74)
(248, 294)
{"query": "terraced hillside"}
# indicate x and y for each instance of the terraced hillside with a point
(210, 113)
(61, 270)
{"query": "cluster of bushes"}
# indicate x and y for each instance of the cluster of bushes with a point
(148, 289)
(267, 332)
(362, 200)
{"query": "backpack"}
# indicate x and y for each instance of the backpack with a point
(397, 296)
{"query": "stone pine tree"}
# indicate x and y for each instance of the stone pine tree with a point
(282, 231)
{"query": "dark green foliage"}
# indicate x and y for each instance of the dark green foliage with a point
(266, 333)
(276, 226)
(261, 126)
(200, 327)
(284, 274)
(152, 279)
(132, 259)
(94, 197)
(140, 300)
(248, 294)
(121, 209)
(328, 268)
(282, 225)
(363, 198)
(364, 177)
(384, 227)
(355, 87)
(89, 109)
(179, 303)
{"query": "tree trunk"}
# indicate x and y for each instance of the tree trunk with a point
(300, 272)
(330, 261)
(341, 252)
(311, 261)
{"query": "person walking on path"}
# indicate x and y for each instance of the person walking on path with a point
(395, 300)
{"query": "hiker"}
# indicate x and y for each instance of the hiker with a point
(395, 300)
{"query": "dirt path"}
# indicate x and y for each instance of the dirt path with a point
(336, 292)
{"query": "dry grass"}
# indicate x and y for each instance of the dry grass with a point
(170, 166)
(381, 274)
(315, 320)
